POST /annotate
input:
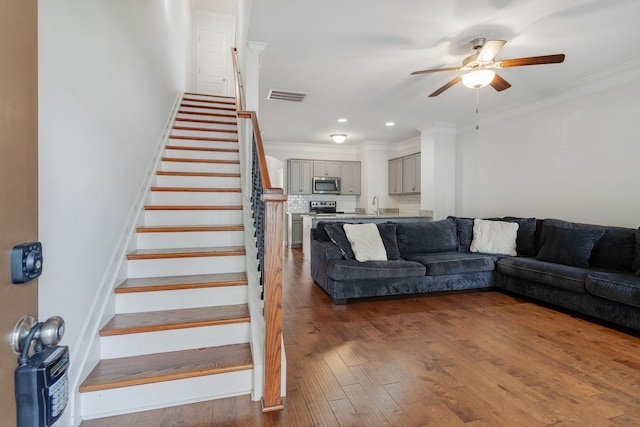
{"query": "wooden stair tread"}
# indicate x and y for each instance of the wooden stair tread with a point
(207, 174)
(212, 122)
(203, 138)
(137, 370)
(199, 129)
(141, 254)
(188, 160)
(168, 283)
(198, 189)
(193, 207)
(214, 149)
(134, 323)
(196, 113)
(189, 228)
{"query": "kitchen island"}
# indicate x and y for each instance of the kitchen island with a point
(309, 221)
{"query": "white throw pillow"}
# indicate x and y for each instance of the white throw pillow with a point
(494, 237)
(366, 242)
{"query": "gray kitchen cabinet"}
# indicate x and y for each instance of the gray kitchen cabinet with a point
(350, 177)
(395, 176)
(299, 175)
(326, 168)
(411, 174)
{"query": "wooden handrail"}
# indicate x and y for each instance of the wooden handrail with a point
(274, 199)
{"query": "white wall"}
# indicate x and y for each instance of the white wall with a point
(572, 157)
(109, 72)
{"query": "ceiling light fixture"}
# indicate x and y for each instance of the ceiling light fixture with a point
(338, 138)
(342, 120)
(478, 78)
(390, 124)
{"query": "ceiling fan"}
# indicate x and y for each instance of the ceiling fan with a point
(479, 66)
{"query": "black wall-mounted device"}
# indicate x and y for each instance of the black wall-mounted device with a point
(26, 262)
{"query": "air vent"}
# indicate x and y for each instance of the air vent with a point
(286, 95)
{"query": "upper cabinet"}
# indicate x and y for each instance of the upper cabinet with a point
(350, 178)
(395, 176)
(326, 168)
(404, 175)
(299, 175)
(411, 174)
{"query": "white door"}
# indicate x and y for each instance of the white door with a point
(213, 62)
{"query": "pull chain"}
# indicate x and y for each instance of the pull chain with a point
(477, 102)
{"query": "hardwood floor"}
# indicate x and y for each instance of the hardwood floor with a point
(470, 359)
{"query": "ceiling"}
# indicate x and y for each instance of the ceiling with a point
(354, 59)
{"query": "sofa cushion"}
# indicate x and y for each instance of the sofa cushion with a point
(389, 239)
(321, 233)
(350, 269)
(556, 275)
(426, 237)
(336, 234)
(615, 250)
(494, 237)
(636, 259)
(568, 245)
(366, 242)
(620, 287)
(464, 233)
(442, 263)
(526, 244)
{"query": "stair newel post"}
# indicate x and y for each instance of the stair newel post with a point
(272, 279)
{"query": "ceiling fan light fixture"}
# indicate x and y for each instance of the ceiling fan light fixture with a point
(338, 138)
(478, 78)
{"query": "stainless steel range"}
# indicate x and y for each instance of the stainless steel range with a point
(322, 207)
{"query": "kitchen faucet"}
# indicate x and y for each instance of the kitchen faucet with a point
(376, 203)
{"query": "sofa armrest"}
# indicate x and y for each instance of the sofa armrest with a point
(321, 254)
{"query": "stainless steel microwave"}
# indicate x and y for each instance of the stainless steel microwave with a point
(326, 185)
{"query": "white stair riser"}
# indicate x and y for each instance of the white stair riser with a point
(142, 302)
(164, 394)
(176, 142)
(197, 116)
(217, 109)
(189, 239)
(195, 198)
(195, 154)
(233, 126)
(192, 217)
(197, 181)
(199, 167)
(205, 134)
(185, 266)
(129, 345)
(211, 101)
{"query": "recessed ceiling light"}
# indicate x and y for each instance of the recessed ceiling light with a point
(390, 124)
(342, 120)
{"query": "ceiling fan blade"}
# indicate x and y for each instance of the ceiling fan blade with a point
(434, 70)
(490, 50)
(445, 87)
(531, 60)
(499, 84)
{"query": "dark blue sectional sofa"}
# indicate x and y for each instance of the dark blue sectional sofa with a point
(586, 268)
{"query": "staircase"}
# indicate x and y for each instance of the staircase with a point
(181, 329)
